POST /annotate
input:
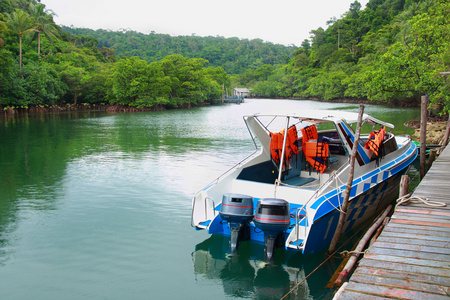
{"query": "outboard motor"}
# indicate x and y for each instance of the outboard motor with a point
(237, 210)
(272, 217)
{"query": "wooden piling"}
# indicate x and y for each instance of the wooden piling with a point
(348, 187)
(404, 185)
(431, 158)
(447, 133)
(423, 135)
(361, 245)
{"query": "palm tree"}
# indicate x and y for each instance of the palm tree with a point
(43, 22)
(21, 24)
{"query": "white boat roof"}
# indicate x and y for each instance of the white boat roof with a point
(318, 116)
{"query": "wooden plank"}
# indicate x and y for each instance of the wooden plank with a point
(402, 284)
(403, 275)
(429, 256)
(418, 231)
(401, 209)
(397, 293)
(425, 249)
(436, 237)
(433, 190)
(430, 181)
(421, 218)
(411, 214)
(416, 242)
(423, 223)
(435, 179)
(438, 198)
(407, 260)
(350, 295)
(393, 226)
(401, 267)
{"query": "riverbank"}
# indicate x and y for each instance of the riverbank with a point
(82, 107)
(435, 128)
(11, 111)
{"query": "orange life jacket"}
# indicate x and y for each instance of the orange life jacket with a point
(375, 140)
(274, 149)
(293, 137)
(316, 149)
(315, 152)
(276, 145)
(317, 164)
(309, 133)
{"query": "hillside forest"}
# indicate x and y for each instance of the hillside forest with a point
(393, 51)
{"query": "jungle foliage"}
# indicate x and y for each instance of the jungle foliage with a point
(233, 54)
(42, 66)
(392, 50)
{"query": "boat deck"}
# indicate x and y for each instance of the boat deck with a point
(411, 257)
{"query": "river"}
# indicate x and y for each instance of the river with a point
(98, 206)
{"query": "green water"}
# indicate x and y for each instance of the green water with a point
(98, 206)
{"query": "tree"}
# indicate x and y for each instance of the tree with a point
(306, 46)
(137, 83)
(355, 7)
(43, 22)
(21, 24)
(75, 67)
(8, 76)
(411, 67)
(39, 85)
(185, 75)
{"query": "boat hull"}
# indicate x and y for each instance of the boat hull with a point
(361, 209)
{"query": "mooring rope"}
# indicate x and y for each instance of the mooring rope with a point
(407, 199)
(346, 253)
(328, 258)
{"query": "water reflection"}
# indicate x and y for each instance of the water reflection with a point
(246, 275)
(85, 199)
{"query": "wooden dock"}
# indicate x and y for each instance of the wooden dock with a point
(411, 257)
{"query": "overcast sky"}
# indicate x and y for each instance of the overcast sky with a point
(277, 21)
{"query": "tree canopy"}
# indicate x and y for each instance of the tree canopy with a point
(392, 50)
(64, 69)
(234, 55)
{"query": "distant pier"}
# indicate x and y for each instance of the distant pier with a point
(411, 257)
(235, 99)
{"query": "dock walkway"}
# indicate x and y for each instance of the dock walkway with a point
(411, 257)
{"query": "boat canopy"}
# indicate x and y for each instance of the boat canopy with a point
(322, 116)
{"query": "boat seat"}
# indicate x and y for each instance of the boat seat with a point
(332, 160)
(298, 181)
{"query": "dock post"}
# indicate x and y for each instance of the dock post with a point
(423, 135)
(431, 158)
(404, 185)
(447, 133)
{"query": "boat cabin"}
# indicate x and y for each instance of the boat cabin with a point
(308, 153)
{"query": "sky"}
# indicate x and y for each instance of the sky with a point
(286, 22)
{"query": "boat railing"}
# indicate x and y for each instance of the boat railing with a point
(298, 217)
(334, 177)
(236, 166)
(205, 202)
(213, 206)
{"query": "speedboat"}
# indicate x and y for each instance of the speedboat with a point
(289, 191)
